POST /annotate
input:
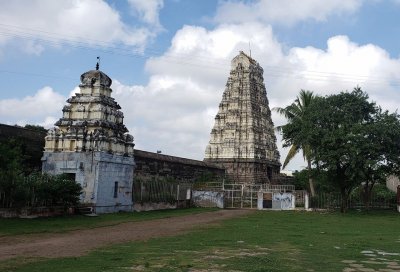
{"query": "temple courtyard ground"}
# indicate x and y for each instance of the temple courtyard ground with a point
(204, 240)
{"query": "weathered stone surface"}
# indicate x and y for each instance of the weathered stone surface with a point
(95, 78)
(92, 121)
(243, 139)
(97, 173)
(151, 165)
(91, 144)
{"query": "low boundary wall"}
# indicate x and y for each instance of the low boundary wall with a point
(152, 165)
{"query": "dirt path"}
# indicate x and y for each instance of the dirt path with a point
(77, 243)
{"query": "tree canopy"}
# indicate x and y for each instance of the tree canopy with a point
(352, 139)
(36, 128)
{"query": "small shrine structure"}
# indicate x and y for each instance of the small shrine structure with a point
(91, 144)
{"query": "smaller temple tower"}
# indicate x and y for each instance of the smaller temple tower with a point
(92, 145)
(243, 139)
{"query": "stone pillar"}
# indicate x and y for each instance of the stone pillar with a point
(306, 201)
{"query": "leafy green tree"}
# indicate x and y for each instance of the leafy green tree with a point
(294, 114)
(352, 139)
(11, 171)
(378, 151)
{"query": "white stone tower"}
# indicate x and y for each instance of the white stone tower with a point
(243, 138)
(92, 145)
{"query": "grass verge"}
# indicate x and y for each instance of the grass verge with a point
(263, 241)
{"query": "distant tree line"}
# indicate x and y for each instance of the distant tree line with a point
(347, 140)
(35, 128)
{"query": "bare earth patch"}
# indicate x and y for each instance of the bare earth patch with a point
(77, 243)
(380, 264)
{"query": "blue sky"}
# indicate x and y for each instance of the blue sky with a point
(169, 60)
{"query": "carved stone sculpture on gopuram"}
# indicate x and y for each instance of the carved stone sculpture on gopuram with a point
(243, 138)
(92, 145)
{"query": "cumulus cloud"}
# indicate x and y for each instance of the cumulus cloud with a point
(286, 12)
(148, 10)
(169, 114)
(342, 66)
(43, 108)
(174, 112)
(205, 55)
(40, 23)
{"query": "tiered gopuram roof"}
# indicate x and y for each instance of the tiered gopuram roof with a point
(243, 137)
(92, 120)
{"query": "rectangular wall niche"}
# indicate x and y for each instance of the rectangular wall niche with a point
(116, 189)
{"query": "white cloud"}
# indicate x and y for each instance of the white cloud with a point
(49, 121)
(147, 11)
(205, 55)
(40, 109)
(74, 91)
(40, 23)
(286, 12)
(32, 48)
(175, 111)
(169, 114)
(344, 65)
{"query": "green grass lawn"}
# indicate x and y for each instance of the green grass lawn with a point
(17, 226)
(263, 241)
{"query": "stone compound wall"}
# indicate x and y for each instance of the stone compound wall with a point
(152, 165)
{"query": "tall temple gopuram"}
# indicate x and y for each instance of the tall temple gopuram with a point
(243, 139)
(92, 145)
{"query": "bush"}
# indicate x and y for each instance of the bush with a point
(40, 189)
(56, 190)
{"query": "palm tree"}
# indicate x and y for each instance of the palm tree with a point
(294, 113)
